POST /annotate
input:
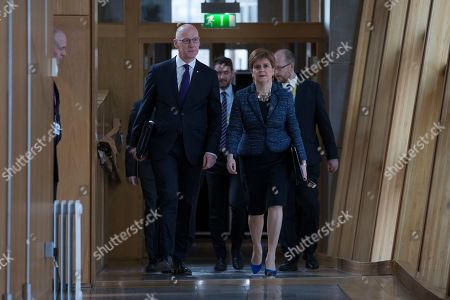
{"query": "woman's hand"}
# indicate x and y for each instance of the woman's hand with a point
(303, 170)
(231, 164)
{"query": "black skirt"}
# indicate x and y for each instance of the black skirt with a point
(266, 180)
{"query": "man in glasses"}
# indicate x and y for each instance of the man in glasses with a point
(302, 211)
(184, 95)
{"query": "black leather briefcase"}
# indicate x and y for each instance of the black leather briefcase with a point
(144, 139)
(296, 165)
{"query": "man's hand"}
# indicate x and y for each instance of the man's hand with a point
(333, 165)
(132, 151)
(132, 180)
(208, 161)
(231, 165)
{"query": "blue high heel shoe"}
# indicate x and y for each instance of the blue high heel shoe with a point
(256, 268)
(270, 273)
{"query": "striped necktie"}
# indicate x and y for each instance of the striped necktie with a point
(223, 135)
(290, 88)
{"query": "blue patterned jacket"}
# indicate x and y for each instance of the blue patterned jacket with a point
(247, 133)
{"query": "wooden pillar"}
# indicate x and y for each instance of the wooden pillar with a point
(75, 87)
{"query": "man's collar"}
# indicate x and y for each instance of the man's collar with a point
(292, 81)
(181, 62)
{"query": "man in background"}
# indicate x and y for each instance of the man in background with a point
(59, 52)
(224, 188)
(143, 171)
(302, 211)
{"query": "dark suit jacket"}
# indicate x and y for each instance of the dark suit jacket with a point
(130, 162)
(235, 89)
(57, 139)
(248, 134)
(198, 120)
(310, 111)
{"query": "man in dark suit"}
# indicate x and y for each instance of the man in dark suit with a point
(143, 170)
(59, 51)
(223, 187)
(302, 211)
(185, 96)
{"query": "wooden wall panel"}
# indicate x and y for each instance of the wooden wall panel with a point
(97, 178)
(435, 258)
(42, 118)
(405, 99)
(123, 202)
(248, 32)
(41, 171)
(382, 112)
(401, 80)
(19, 147)
(74, 156)
(72, 8)
(419, 170)
(353, 109)
(3, 139)
(363, 127)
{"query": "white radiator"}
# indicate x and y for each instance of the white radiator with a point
(67, 241)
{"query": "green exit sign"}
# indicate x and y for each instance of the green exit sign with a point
(219, 21)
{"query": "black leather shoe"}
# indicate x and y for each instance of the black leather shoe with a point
(238, 264)
(165, 265)
(221, 265)
(180, 269)
(150, 268)
(289, 266)
(311, 262)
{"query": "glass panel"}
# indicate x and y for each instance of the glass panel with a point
(110, 11)
(252, 11)
(189, 11)
(156, 11)
(239, 58)
(203, 55)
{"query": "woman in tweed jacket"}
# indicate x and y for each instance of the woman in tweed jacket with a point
(262, 127)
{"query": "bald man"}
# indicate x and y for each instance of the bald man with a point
(301, 212)
(59, 51)
(184, 94)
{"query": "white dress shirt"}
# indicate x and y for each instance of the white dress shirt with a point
(180, 69)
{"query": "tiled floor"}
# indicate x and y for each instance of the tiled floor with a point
(235, 292)
(126, 280)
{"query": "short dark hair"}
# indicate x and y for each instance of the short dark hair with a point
(222, 60)
(261, 53)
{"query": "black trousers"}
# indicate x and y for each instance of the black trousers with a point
(177, 186)
(151, 231)
(301, 212)
(225, 189)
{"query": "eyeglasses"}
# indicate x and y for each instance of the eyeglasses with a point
(279, 68)
(195, 40)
